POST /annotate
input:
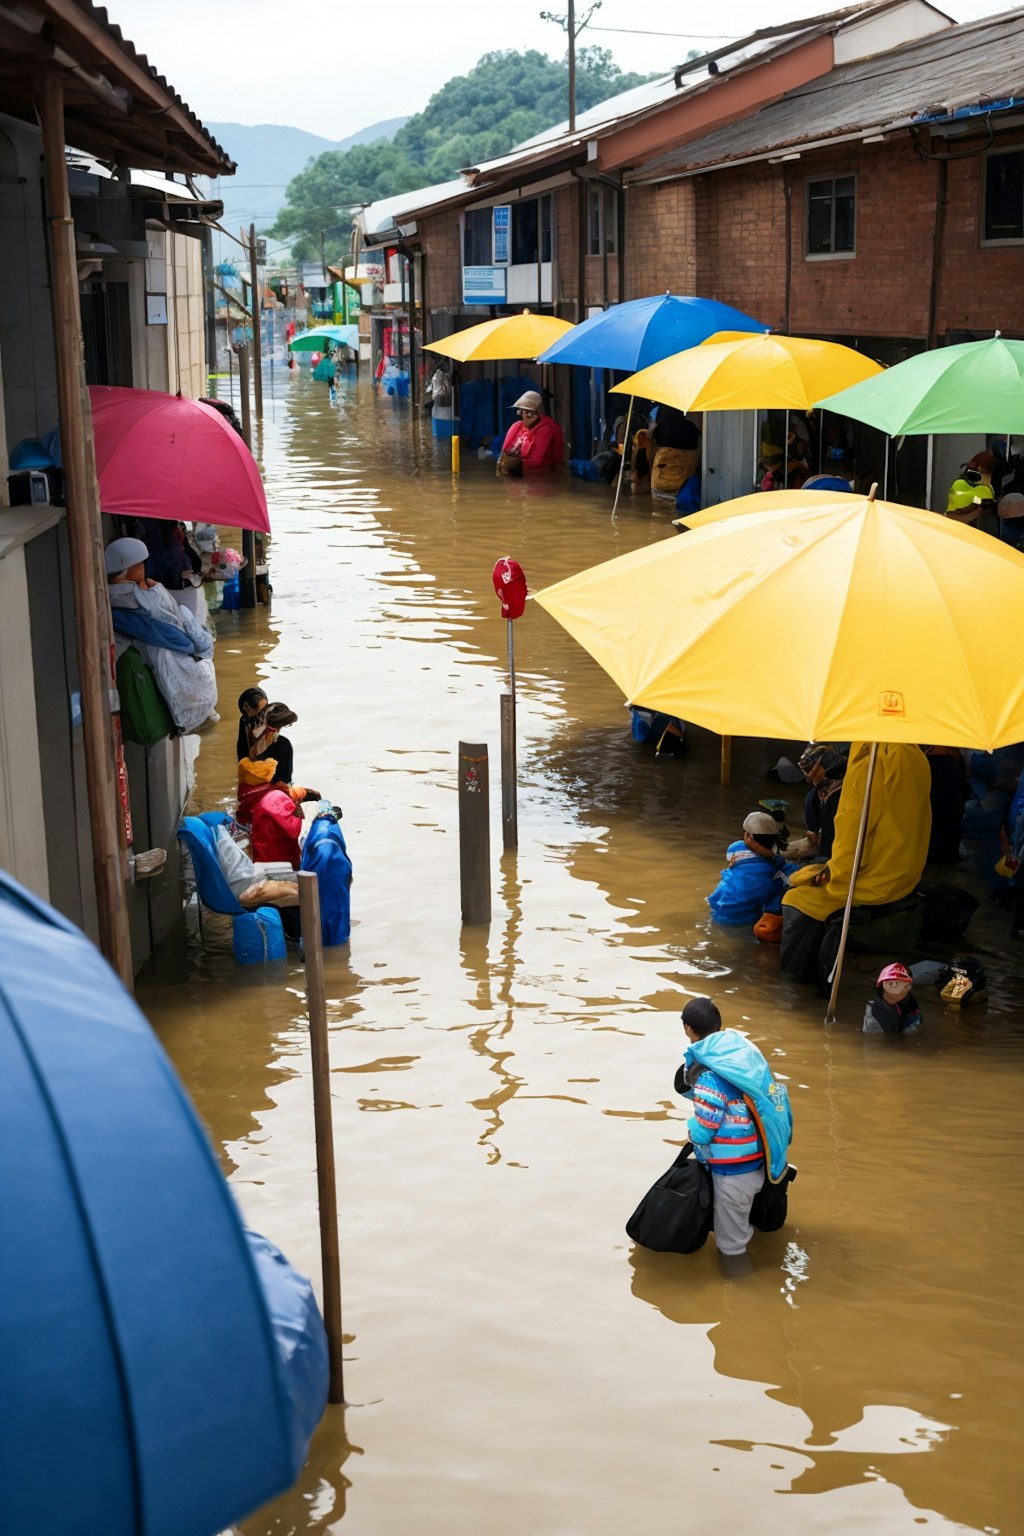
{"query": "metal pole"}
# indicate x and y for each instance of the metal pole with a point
(837, 969)
(725, 767)
(622, 466)
(474, 832)
(509, 769)
(929, 470)
(93, 631)
(456, 442)
(247, 575)
(571, 30)
(320, 1059)
(257, 356)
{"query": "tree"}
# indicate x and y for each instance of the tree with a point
(505, 98)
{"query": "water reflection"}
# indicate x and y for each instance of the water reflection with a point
(519, 1370)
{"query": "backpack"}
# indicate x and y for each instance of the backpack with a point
(676, 1214)
(144, 715)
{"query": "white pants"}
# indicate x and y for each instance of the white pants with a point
(734, 1195)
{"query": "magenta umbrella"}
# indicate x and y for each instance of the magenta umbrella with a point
(163, 456)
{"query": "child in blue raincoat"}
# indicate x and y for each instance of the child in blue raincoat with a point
(752, 875)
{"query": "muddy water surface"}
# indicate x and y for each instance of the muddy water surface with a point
(502, 1095)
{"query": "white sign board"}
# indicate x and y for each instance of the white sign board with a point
(483, 285)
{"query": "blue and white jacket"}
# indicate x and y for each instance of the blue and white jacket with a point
(723, 1130)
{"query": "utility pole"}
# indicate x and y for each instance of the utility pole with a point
(572, 30)
(257, 355)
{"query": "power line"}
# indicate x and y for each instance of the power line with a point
(712, 37)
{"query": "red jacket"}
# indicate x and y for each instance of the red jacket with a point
(541, 447)
(276, 822)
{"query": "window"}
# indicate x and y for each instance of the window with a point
(1004, 196)
(476, 245)
(603, 226)
(832, 216)
(524, 232)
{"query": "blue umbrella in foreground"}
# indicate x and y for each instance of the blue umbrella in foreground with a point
(640, 332)
(163, 1369)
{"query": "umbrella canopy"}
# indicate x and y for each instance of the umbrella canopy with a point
(643, 331)
(750, 373)
(975, 387)
(505, 339)
(163, 456)
(314, 340)
(806, 615)
(174, 1364)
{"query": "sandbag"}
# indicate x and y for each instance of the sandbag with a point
(677, 1213)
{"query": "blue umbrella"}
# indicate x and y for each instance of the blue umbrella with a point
(313, 340)
(633, 335)
(163, 1369)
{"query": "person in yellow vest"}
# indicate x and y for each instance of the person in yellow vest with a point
(892, 860)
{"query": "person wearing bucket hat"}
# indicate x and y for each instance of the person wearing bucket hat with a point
(822, 767)
(745, 886)
(533, 445)
(893, 1010)
(972, 498)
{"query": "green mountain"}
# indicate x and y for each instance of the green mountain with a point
(269, 156)
(505, 98)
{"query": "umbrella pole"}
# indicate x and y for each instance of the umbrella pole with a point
(785, 455)
(837, 969)
(622, 466)
(885, 473)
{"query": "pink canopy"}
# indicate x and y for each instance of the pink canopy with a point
(159, 455)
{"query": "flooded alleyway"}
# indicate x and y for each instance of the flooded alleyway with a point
(503, 1095)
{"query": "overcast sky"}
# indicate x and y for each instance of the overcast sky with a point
(312, 66)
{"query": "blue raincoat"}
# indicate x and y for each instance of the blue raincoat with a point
(740, 1063)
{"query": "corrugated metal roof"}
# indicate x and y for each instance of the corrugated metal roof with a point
(980, 62)
(381, 217)
(667, 89)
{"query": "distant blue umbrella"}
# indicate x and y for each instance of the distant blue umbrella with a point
(633, 335)
(163, 1369)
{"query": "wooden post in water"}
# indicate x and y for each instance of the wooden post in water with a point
(474, 832)
(247, 576)
(316, 1002)
(726, 764)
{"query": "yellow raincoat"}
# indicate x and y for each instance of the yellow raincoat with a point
(896, 839)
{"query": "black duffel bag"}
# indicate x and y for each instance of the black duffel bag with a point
(771, 1203)
(676, 1214)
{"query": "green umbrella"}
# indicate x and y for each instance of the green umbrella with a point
(316, 340)
(975, 387)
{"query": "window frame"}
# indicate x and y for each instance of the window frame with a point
(999, 240)
(811, 181)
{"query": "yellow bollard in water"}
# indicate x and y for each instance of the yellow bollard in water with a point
(456, 445)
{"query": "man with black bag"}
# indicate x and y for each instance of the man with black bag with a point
(742, 1124)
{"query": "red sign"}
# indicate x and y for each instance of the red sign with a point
(510, 585)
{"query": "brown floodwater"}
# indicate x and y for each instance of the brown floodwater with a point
(503, 1094)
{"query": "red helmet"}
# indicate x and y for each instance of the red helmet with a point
(895, 972)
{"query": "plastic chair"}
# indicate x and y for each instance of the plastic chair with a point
(199, 835)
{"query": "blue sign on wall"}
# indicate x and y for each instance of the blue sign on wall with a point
(502, 222)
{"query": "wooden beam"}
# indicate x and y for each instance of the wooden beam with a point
(92, 615)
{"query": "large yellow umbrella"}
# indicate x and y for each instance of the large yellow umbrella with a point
(504, 339)
(834, 618)
(735, 371)
(806, 613)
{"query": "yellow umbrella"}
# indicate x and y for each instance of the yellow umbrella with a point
(830, 618)
(735, 371)
(504, 339)
(804, 613)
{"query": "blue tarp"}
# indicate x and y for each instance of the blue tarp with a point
(163, 1370)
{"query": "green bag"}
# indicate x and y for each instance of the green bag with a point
(144, 715)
